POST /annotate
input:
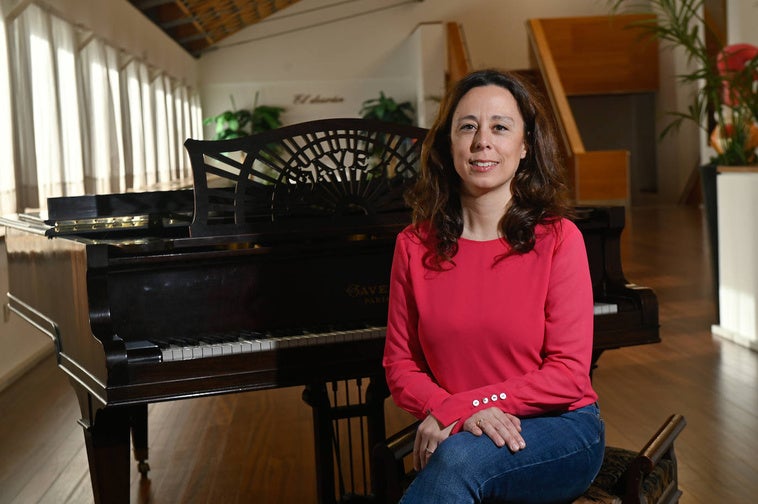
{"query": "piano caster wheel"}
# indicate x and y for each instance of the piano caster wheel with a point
(143, 467)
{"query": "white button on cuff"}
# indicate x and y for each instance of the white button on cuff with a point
(485, 400)
(494, 397)
(502, 395)
(476, 402)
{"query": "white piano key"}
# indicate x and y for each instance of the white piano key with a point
(605, 308)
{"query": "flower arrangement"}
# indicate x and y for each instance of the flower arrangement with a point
(726, 103)
(735, 138)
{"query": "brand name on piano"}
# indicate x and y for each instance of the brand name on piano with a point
(369, 294)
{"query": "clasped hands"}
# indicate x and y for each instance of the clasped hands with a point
(502, 428)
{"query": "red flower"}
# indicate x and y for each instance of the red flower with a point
(733, 58)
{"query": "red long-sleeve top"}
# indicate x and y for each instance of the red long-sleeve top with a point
(515, 333)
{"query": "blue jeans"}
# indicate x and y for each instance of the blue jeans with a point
(563, 455)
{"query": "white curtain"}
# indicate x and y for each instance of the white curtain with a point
(88, 118)
(140, 145)
(104, 169)
(69, 136)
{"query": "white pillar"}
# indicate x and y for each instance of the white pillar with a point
(738, 256)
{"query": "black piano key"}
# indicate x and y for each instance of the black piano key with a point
(142, 351)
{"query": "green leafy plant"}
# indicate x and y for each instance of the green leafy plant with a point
(387, 109)
(726, 96)
(266, 118)
(237, 123)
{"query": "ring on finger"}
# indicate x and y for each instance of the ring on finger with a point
(479, 423)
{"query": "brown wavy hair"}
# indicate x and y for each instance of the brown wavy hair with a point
(539, 190)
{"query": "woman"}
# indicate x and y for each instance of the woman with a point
(489, 334)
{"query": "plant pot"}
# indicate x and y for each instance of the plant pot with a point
(708, 174)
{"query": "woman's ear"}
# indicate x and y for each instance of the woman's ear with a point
(523, 150)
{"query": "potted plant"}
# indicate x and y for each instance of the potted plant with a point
(387, 109)
(237, 123)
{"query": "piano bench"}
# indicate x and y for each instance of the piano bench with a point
(647, 476)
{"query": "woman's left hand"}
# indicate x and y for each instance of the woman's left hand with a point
(428, 436)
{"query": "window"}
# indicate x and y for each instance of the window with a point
(87, 117)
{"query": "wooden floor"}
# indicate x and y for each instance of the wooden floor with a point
(258, 447)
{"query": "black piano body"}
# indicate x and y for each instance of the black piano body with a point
(271, 272)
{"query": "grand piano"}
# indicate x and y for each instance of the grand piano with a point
(271, 271)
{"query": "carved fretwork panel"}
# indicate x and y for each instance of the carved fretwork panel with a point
(348, 171)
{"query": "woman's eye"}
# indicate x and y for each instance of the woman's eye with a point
(500, 127)
(467, 127)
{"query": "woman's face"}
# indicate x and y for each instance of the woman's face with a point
(487, 141)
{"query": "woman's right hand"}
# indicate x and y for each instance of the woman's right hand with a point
(501, 427)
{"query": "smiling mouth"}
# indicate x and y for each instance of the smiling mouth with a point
(483, 166)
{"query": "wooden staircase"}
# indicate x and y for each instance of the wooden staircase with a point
(598, 55)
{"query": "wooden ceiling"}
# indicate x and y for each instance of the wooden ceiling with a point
(197, 25)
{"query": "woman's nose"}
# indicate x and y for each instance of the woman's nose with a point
(481, 140)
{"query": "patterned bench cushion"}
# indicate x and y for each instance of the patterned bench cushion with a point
(610, 484)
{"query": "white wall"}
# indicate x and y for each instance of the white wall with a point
(681, 151)
(23, 345)
(360, 47)
(742, 19)
(356, 40)
(429, 43)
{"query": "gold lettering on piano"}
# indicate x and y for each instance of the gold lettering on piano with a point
(369, 294)
(340, 165)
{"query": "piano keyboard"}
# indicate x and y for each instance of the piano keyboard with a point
(250, 341)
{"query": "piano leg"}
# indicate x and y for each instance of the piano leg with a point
(106, 436)
(138, 421)
(316, 397)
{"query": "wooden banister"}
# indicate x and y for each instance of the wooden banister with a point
(555, 91)
(458, 61)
